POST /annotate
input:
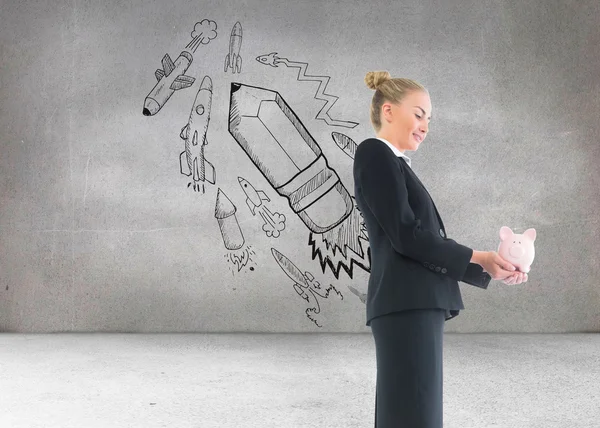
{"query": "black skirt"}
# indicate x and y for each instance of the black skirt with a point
(408, 346)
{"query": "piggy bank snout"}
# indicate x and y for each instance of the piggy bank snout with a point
(516, 251)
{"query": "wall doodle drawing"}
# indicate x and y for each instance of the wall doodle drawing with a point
(274, 223)
(345, 143)
(305, 285)
(192, 161)
(203, 32)
(233, 239)
(334, 247)
(233, 58)
(274, 61)
(361, 296)
(283, 150)
(170, 79)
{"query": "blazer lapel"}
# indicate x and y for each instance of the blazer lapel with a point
(430, 198)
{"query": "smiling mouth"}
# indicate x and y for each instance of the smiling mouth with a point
(418, 138)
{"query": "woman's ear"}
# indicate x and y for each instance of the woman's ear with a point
(386, 112)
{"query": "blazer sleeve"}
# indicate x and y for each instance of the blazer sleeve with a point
(382, 184)
(475, 275)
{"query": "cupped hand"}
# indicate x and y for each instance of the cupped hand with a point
(516, 278)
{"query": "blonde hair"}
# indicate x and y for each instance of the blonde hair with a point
(388, 89)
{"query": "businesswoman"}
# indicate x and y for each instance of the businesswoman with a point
(415, 268)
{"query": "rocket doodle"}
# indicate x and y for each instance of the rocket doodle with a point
(227, 220)
(192, 161)
(170, 79)
(233, 58)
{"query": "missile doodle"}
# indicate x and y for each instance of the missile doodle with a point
(345, 143)
(283, 150)
(227, 220)
(233, 58)
(170, 79)
(192, 161)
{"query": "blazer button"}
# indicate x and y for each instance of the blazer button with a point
(444, 270)
(442, 233)
(432, 267)
(437, 269)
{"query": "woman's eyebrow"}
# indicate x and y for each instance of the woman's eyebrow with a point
(423, 112)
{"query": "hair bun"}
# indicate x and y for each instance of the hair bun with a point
(375, 78)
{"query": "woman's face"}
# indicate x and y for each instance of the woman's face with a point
(407, 123)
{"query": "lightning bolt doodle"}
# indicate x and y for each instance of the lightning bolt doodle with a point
(274, 61)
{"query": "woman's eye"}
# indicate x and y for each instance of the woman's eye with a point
(418, 116)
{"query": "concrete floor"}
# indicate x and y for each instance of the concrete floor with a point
(290, 381)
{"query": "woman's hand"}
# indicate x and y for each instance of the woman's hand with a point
(516, 278)
(496, 266)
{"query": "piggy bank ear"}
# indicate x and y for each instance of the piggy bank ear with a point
(505, 233)
(530, 233)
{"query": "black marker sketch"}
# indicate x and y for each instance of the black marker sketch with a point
(191, 160)
(283, 150)
(203, 32)
(233, 58)
(240, 259)
(335, 247)
(273, 60)
(286, 154)
(230, 228)
(274, 223)
(304, 283)
(361, 296)
(345, 143)
(170, 79)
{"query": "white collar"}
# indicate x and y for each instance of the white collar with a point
(395, 150)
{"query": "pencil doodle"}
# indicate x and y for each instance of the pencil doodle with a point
(170, 79)
(203, 32)
(233, 58)
(289, 158)
(305, 285)
(228, 224)
(192, 161)
(345, 143)
(274, 61)
(274, 223)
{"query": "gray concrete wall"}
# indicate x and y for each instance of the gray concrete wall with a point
(102, 228)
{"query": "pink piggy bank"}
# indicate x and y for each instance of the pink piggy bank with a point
(517, 249)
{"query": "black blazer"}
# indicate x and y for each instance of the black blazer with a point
(413, 264)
